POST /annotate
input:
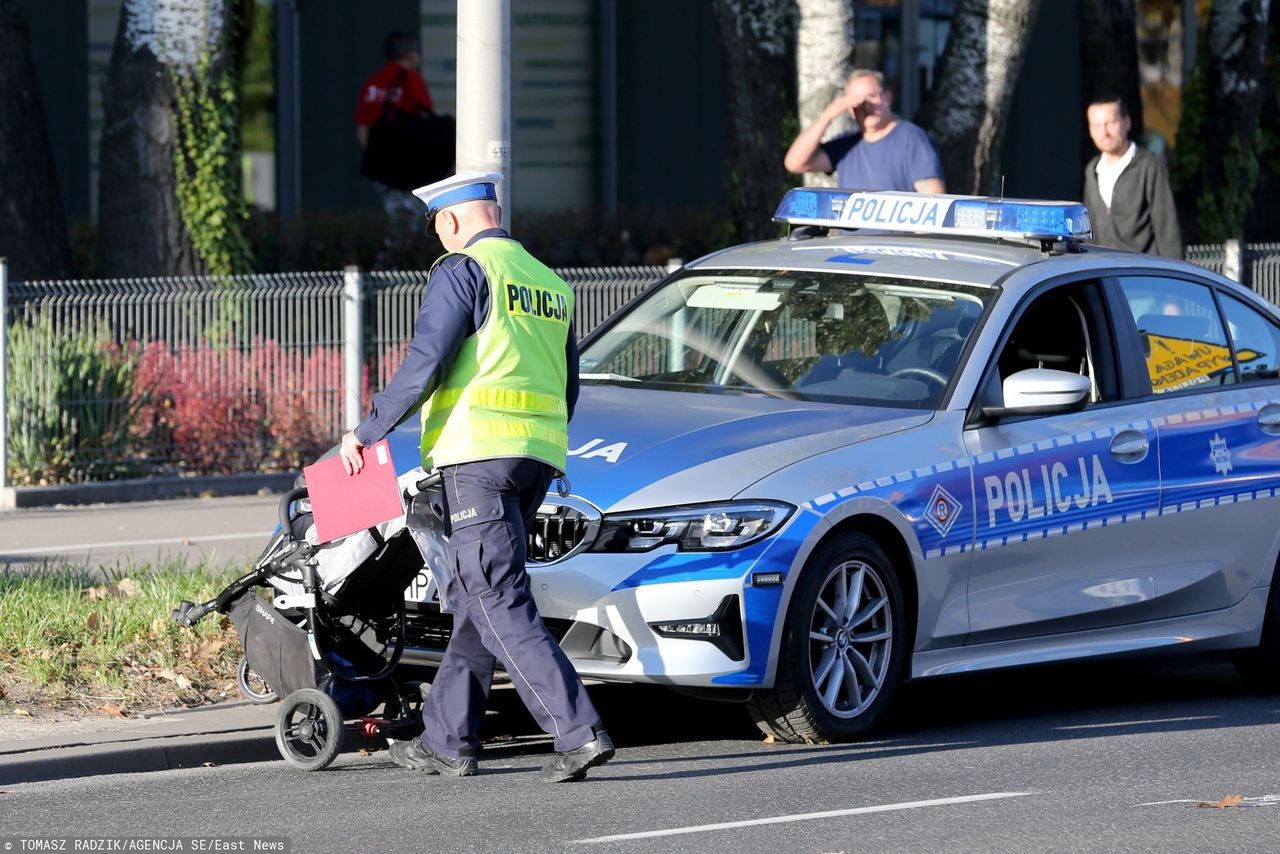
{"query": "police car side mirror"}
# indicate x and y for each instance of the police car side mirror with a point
(1041, 391)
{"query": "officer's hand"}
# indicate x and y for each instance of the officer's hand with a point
(352, 458)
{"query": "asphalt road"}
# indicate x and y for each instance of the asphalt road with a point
(1107, 757)
(214, 530)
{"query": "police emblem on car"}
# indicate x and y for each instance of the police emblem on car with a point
(919, 435)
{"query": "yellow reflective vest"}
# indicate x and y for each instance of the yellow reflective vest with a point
(505, 395)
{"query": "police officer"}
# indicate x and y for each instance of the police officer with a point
(494, 357)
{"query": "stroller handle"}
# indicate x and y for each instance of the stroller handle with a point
(286, 502)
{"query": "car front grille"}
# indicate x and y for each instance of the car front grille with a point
(425, 627)
(556, 532)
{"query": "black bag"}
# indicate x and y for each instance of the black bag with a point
(406, 151)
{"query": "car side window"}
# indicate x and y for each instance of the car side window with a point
(1063, 330)
(1256, 339)
(1183, 341)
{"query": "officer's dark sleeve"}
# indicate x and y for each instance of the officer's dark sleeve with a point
(571, 362)
(446, 318)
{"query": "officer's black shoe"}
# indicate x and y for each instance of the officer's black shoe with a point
(572, 765)
(412, 755)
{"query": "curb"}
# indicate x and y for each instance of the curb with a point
(144, 489)
(155, 754)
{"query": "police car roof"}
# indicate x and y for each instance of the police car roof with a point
(957, 260)
(946, 259)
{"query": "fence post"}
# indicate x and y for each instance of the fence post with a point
(1233, 260)
(6, 494)
(352, 345)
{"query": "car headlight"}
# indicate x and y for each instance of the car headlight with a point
(693, 528)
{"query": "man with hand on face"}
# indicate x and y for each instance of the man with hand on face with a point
(494, 358)
(885, 153)
(1126, 187)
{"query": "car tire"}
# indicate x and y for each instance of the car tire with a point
(811, 702)
(1260, 666)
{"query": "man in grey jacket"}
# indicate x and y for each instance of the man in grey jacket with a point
(1126, 188)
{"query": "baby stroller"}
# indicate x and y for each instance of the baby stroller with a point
(331, 638)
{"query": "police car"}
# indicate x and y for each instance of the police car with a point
(921, 435)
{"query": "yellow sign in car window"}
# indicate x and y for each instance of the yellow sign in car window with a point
(1175, 363)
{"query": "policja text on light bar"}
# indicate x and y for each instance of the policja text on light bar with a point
(916, 213)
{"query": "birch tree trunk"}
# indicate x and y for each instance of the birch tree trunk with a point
(1216, 165)
(1109, 57)
(824, 60)
(757, 40)
(968, 106)
(141, 231)
(33, 228)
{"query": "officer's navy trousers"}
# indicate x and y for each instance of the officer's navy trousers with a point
(488, 506)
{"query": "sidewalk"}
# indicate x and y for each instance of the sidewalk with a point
(185, 738)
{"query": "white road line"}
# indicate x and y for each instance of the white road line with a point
(786, 819)
(194, 540)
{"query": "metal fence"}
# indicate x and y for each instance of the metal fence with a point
(108, 379)
(1255, 265)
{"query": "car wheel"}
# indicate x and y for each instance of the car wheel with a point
(843, 646)
(1260, 666)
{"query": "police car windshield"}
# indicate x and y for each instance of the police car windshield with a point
(828, 337)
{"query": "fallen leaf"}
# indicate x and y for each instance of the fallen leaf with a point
(3, 792)
(769, 739)
(166, 673)
(209, 765)
(91, 622)
(23, 712)
(1226, 803)
(116, 711)
(158, 625)
(182, 682)
(224, 623)
(3, 693)
(363, 752)
(127, 587)
(208, 649)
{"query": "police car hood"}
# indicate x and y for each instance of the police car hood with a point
(633, 448)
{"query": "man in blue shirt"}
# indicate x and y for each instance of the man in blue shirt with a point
(885, 153)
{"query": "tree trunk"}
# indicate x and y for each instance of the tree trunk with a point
(1219, 135)
(1264, 216)
(1109, 57)
(141, 231)
(757, 41)
(824, 53)
(967, 107)
(33, 228)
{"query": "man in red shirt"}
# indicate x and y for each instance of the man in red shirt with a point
(398, 84)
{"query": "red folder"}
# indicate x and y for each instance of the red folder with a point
(342, 503)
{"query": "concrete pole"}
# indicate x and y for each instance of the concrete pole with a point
(352, 345)
(1233, 260)
(484, 92)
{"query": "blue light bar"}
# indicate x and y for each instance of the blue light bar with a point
(918, 213)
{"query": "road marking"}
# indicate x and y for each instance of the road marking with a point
(786, 819)
(193, 540)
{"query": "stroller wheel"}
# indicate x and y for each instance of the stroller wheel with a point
(309, 729)
(254, 688)
(412, 697)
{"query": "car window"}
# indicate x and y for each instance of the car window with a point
(1062, 330)
(1182, 338)
(807, 335)
(1256, 339)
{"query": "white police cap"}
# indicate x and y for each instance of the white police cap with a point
(462, 187)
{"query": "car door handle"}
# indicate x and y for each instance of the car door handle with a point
(1269, 419)
(1130, 446)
